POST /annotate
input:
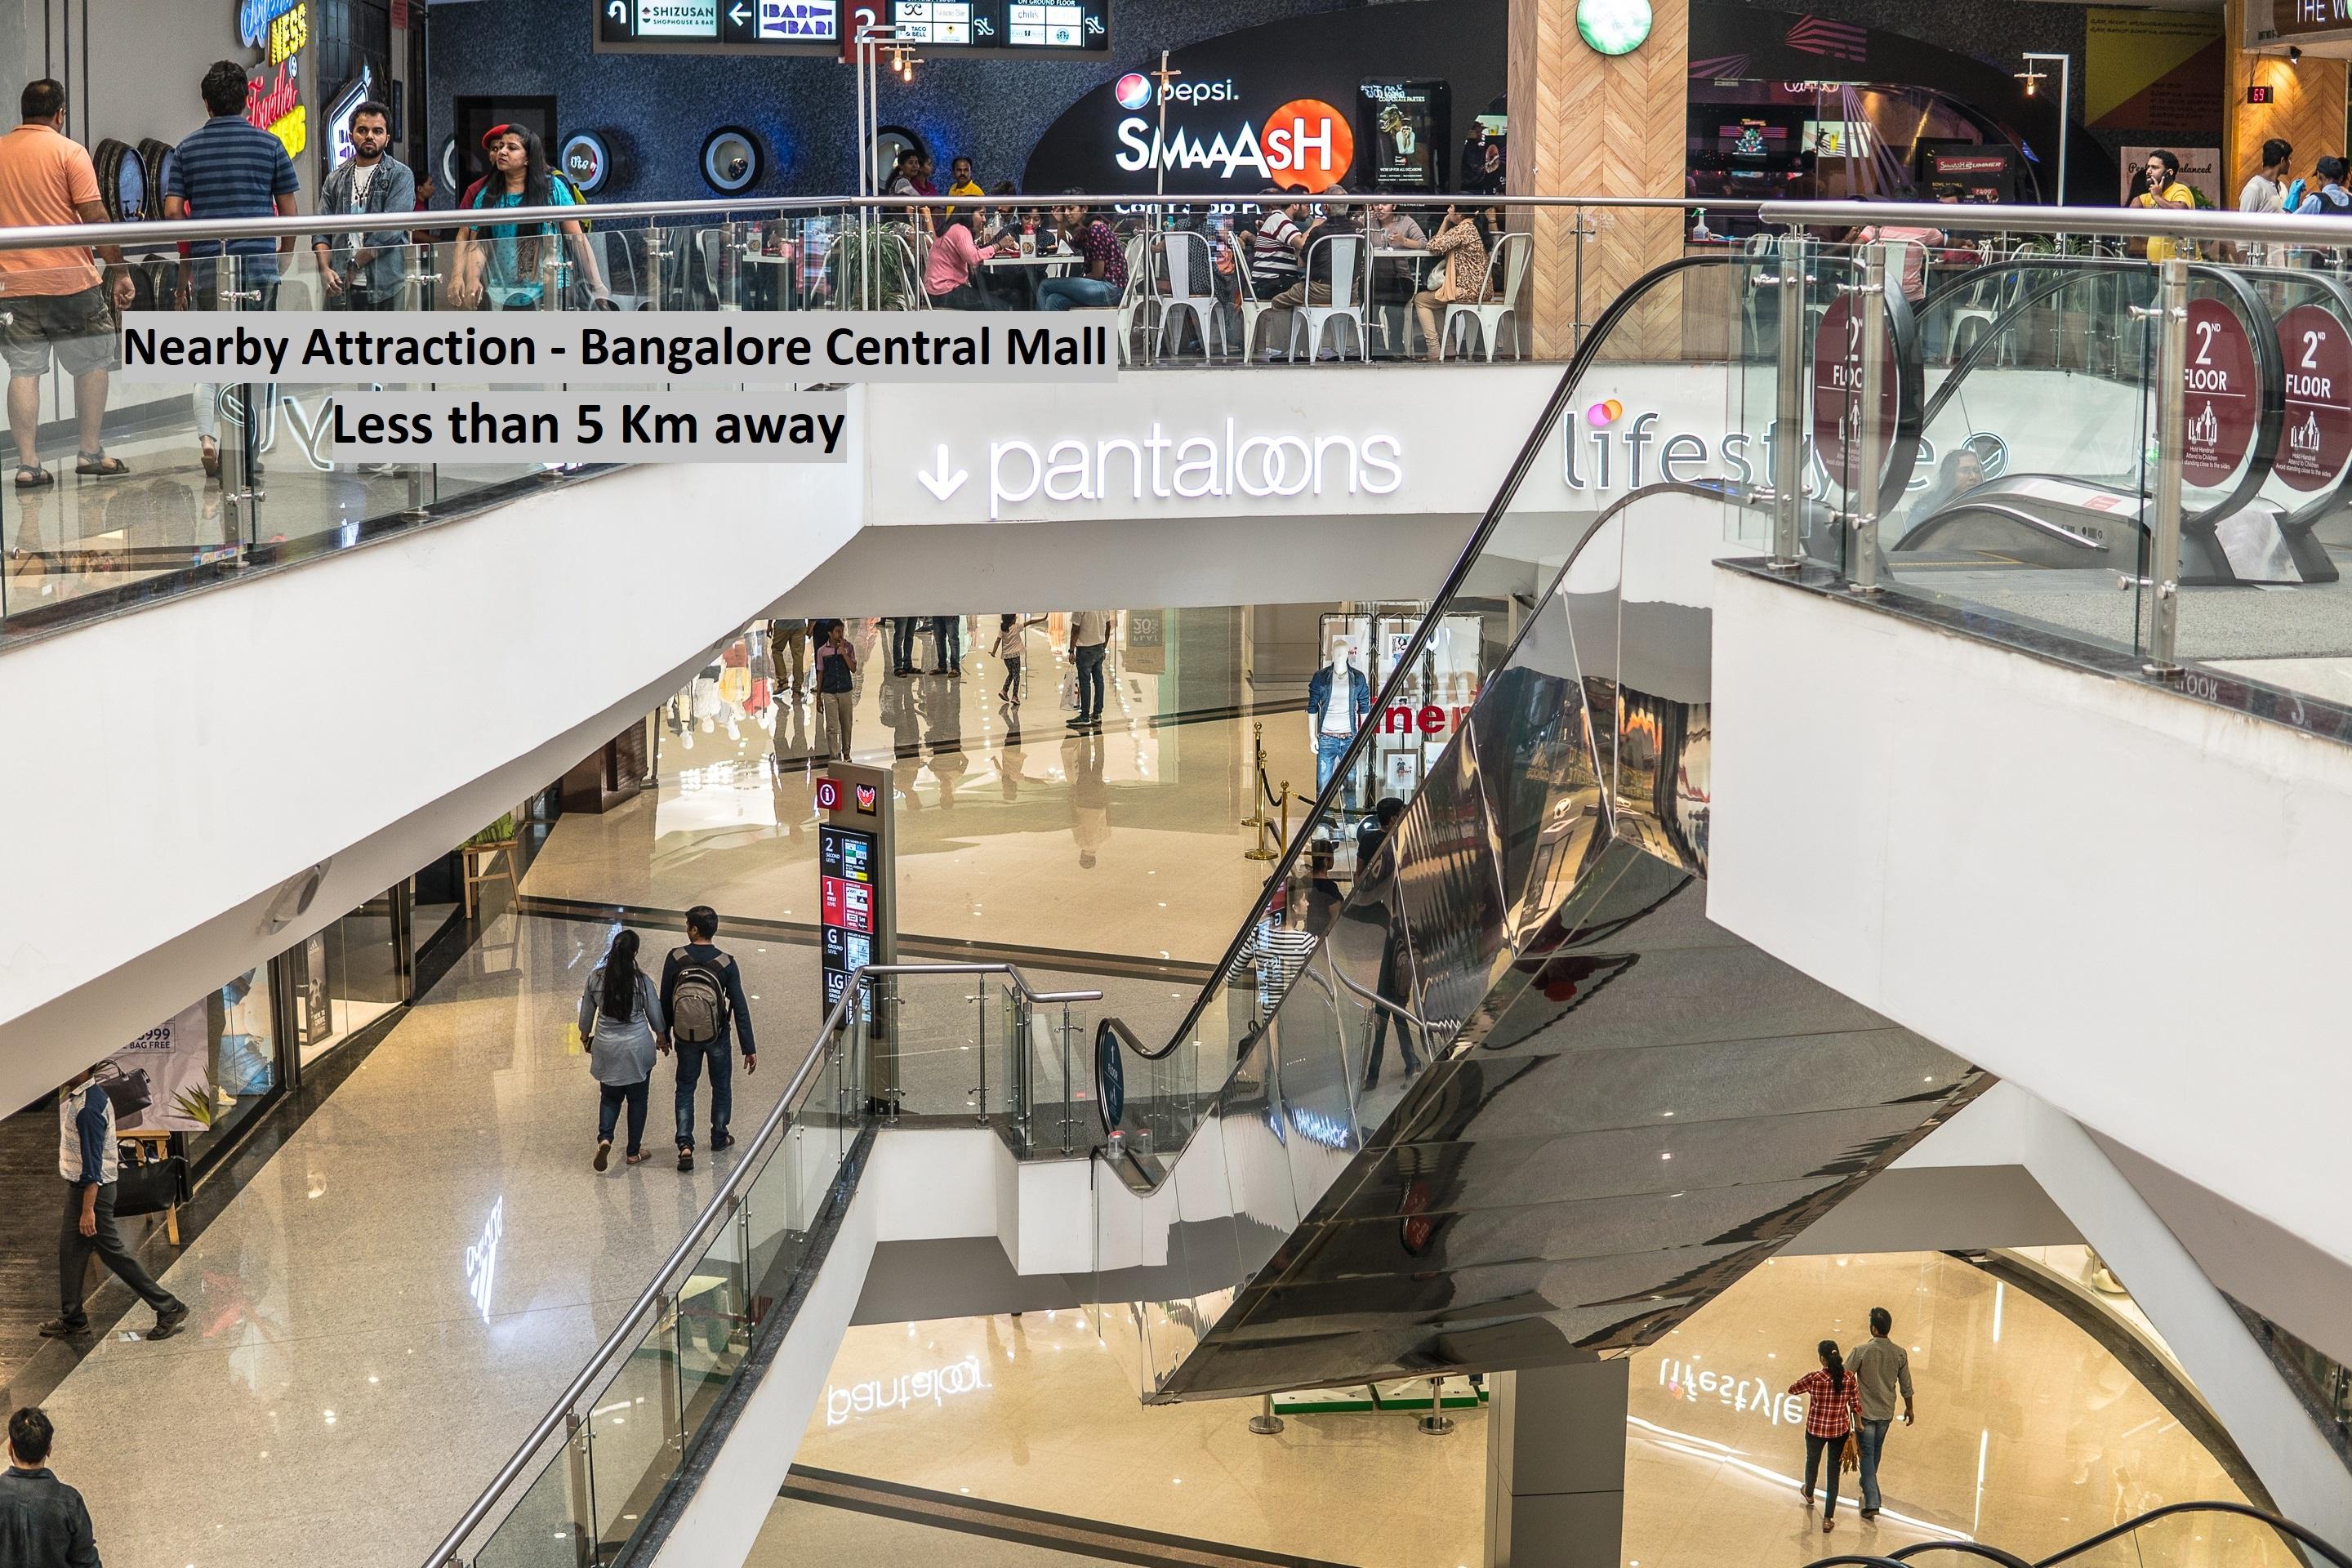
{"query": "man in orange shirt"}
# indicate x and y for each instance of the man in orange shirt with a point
(54, 298)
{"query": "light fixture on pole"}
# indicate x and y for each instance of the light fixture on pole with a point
(2065, 103)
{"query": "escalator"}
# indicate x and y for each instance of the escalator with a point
(2177, 1535)
(1520, 1104)
(2034, 440)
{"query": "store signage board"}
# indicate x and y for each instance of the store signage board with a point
(2299, 20)
(939, 28)
(1837, 384)
(2223, 403)
(2315, 437)
(854, 875)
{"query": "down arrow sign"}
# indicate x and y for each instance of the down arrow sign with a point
(943, 484)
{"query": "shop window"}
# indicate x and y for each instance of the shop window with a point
(345, 977)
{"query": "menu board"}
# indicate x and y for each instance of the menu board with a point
(846, 890)
(1008, 27)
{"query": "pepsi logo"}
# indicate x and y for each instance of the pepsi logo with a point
(1133, 90)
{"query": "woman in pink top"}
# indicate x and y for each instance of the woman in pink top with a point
(947, 275)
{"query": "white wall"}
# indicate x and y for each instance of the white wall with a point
(2124, 902)
(270, 724)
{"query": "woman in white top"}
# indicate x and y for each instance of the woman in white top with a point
(621, 1018)
(1009, 635)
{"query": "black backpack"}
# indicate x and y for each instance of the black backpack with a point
(698, 1003)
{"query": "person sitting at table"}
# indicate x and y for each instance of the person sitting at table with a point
(1276, 244)
(1091, 237)
(956, 254)
(960, 180)
(1462, 239)
(1313, 288)
(1393, 286)
(1394, 231)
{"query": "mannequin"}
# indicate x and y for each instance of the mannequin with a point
(1338, 698)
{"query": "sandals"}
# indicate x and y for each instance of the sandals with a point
(603, 1154)
(98, 466)
(32, 478)
(636, 1159)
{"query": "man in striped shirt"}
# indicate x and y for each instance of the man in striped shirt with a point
(229, 167)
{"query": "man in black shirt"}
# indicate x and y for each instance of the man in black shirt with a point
(702, 997)
(42, 1523)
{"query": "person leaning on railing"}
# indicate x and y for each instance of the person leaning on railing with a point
(500, 270)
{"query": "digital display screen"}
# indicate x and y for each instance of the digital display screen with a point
(1011, 27)
(1750, 140)
(845, 890)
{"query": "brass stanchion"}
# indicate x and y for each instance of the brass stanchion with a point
(1257, 818)
(1265, 851)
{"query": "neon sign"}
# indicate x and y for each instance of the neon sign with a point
(254, 17)
(289, 34)
(1304, 146)
(277, 108)
(1204, 467)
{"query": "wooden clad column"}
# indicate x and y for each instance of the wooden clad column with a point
(1584, 123)
(2306, 107)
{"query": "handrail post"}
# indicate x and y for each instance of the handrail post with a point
(1867, 427)
(1788, 415)
(2163, 581)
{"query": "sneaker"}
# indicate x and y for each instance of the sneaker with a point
(59, 1329)
(604, 1154)
(686, 1158)
(168, 1320)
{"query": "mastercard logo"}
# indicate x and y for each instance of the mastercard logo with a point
(1133, 90)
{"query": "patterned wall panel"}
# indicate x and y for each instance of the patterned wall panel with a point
(2306, 107)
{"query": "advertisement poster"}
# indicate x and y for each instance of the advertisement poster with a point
(174, 1061)
(2154, 71)
(1402, 132)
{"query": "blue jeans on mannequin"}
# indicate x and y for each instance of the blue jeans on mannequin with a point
(1872, 1440)
(1328, 750)
(722, 1087)
(1063, 293)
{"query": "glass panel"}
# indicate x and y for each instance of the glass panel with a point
(711, 1327)
(632, 1430)
(244, 1058)
(547, 1526)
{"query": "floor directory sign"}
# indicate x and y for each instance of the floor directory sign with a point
(856, 908)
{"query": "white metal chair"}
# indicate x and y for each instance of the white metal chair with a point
(1177, 253)
(1253, 310)
(1345, 254)
(1506, 272)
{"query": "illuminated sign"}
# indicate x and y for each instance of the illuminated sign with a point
(254, 18)
(1613, 27)
(1603, 461)
(845, 896)
(874, 1396)
(277, 106)
(828, 795)
(1196, 467)
(482, 1259)
(1304, 145)
(289, 34)
(1003, 26)
(339, 117)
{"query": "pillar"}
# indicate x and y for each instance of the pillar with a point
(1585, 124)
(2306, 107)
(1556, 1466)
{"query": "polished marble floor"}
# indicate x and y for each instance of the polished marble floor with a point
(2029, 1436)
(1011, 829)
(342, 1391)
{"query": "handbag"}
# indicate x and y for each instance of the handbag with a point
(128, 1091)
(151, 1188)
(1850, 1457)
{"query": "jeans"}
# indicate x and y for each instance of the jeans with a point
(949, 630)
(1062, 293)
(1815, 1448)
(1011, 687)
(1873, 1439)
(73, 1258)
(1328, 750)
(615, 1095)
(1385, 988)
(1089, 658)
(722, 1087)
(902, 644)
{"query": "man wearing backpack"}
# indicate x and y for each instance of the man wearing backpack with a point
(702, 994)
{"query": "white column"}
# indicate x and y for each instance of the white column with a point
(1556, 1466)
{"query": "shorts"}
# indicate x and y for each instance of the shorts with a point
(80, 327)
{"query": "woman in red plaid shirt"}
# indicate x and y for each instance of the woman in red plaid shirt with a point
(1832, 1414)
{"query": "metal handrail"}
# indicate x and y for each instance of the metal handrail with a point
(1415, 1019)
(1901, 1556)
(721, 1205)
(161, 231)
(2162, 222)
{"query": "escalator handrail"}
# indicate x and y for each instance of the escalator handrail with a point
(1965, 1548)
(2244, 1509)
(2014, 515)
(2263, 341)
(1538, 439)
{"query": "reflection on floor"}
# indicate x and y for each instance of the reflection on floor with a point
(2029, 1436)
(1011, 828)
(335, 1322)
(804, 1533)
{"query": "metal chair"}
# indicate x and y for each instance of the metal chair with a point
(1345, 256)
(1497, 304)
(1177, 253)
